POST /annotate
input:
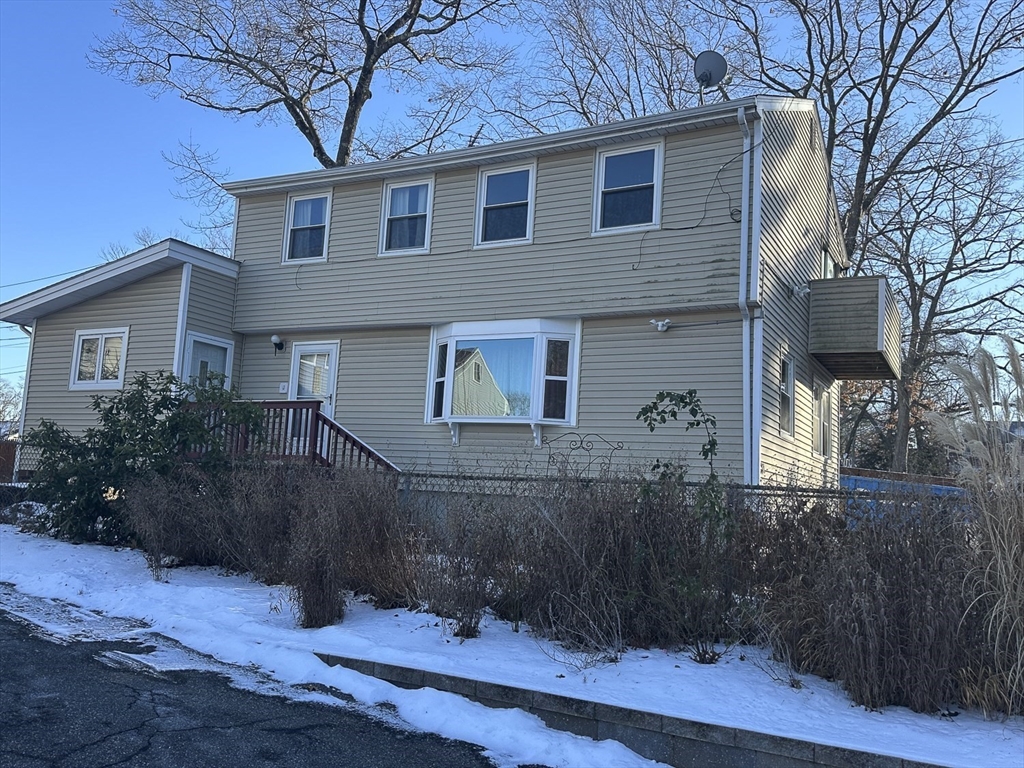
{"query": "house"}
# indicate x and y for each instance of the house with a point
(489, 307)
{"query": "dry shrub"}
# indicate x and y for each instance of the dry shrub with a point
(316, 552)
(991, 467)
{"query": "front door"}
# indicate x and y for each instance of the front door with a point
(314, 373)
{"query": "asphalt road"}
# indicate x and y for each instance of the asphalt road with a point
(62, 707)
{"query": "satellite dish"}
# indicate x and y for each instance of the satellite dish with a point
(709, 69)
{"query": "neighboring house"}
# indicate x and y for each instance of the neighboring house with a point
(478, 308)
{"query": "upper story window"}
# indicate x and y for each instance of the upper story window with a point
(99, 357)
(306, 233)
(517, 371)
(627, 189)
(505, 206)
(405, 219)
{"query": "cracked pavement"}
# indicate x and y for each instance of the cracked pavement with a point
(86, 704)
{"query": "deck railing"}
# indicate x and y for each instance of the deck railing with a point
(297, 428)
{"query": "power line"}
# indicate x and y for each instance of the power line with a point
(47, 277)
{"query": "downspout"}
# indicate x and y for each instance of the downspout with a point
(31, 333)
(177, 364)
(741, 117)
(757, 377)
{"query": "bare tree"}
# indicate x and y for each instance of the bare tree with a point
(900, 88)
(313, 62)
(10, 407)
(597, 61)
(142, 237)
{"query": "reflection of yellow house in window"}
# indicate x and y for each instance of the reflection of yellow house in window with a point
(474, 390)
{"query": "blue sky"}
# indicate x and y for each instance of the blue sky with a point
(80, 152)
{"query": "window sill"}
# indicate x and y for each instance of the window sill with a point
(502, 243)
(94, 386)
(625, 230)
(320, 260)
(536, 427)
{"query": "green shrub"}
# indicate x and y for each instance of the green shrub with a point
(148, 428)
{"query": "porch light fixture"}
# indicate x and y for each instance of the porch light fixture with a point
(661, 325)
(278, 344)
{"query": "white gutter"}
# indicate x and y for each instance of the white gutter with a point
(741, 117)
(24, 398)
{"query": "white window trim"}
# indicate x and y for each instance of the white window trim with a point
(192, 337)
(481, 196)
(539, 329)
(289, 215)
(659, 166)
(790, 385)
(73, 383)
(385, 209)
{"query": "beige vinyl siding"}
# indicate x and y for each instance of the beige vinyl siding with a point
(798, 217)
(211, 304)
(565, 272)
(382, 390)
(149, 308)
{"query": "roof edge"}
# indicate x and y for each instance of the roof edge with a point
(24, 309)
(693, 118)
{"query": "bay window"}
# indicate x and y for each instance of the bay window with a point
(505, 371)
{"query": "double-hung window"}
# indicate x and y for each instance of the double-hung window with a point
(821, 420)
(516, 371)
(627, 189)
(787, 411)
(405, 219)
(98, 360)
(306, 233)
(505, 206)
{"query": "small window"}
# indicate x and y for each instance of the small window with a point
(99, 358)
(504, 207)
(787, 414)
(306, 235)
(208, 357)
(521, 371)
(405, 224)
(828, 267)
(821, 420)
(628, 189)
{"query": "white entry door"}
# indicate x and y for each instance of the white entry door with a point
(314, 373)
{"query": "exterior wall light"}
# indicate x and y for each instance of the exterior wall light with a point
(278, 344)
(661, 325)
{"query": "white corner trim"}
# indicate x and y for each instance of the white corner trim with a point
(177, 366)
(24, 397)
(881, 314)
(758, 392)
(741, 118)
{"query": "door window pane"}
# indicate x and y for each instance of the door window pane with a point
(207, 359)
(312, 375)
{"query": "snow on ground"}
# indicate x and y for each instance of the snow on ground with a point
(232, 621)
